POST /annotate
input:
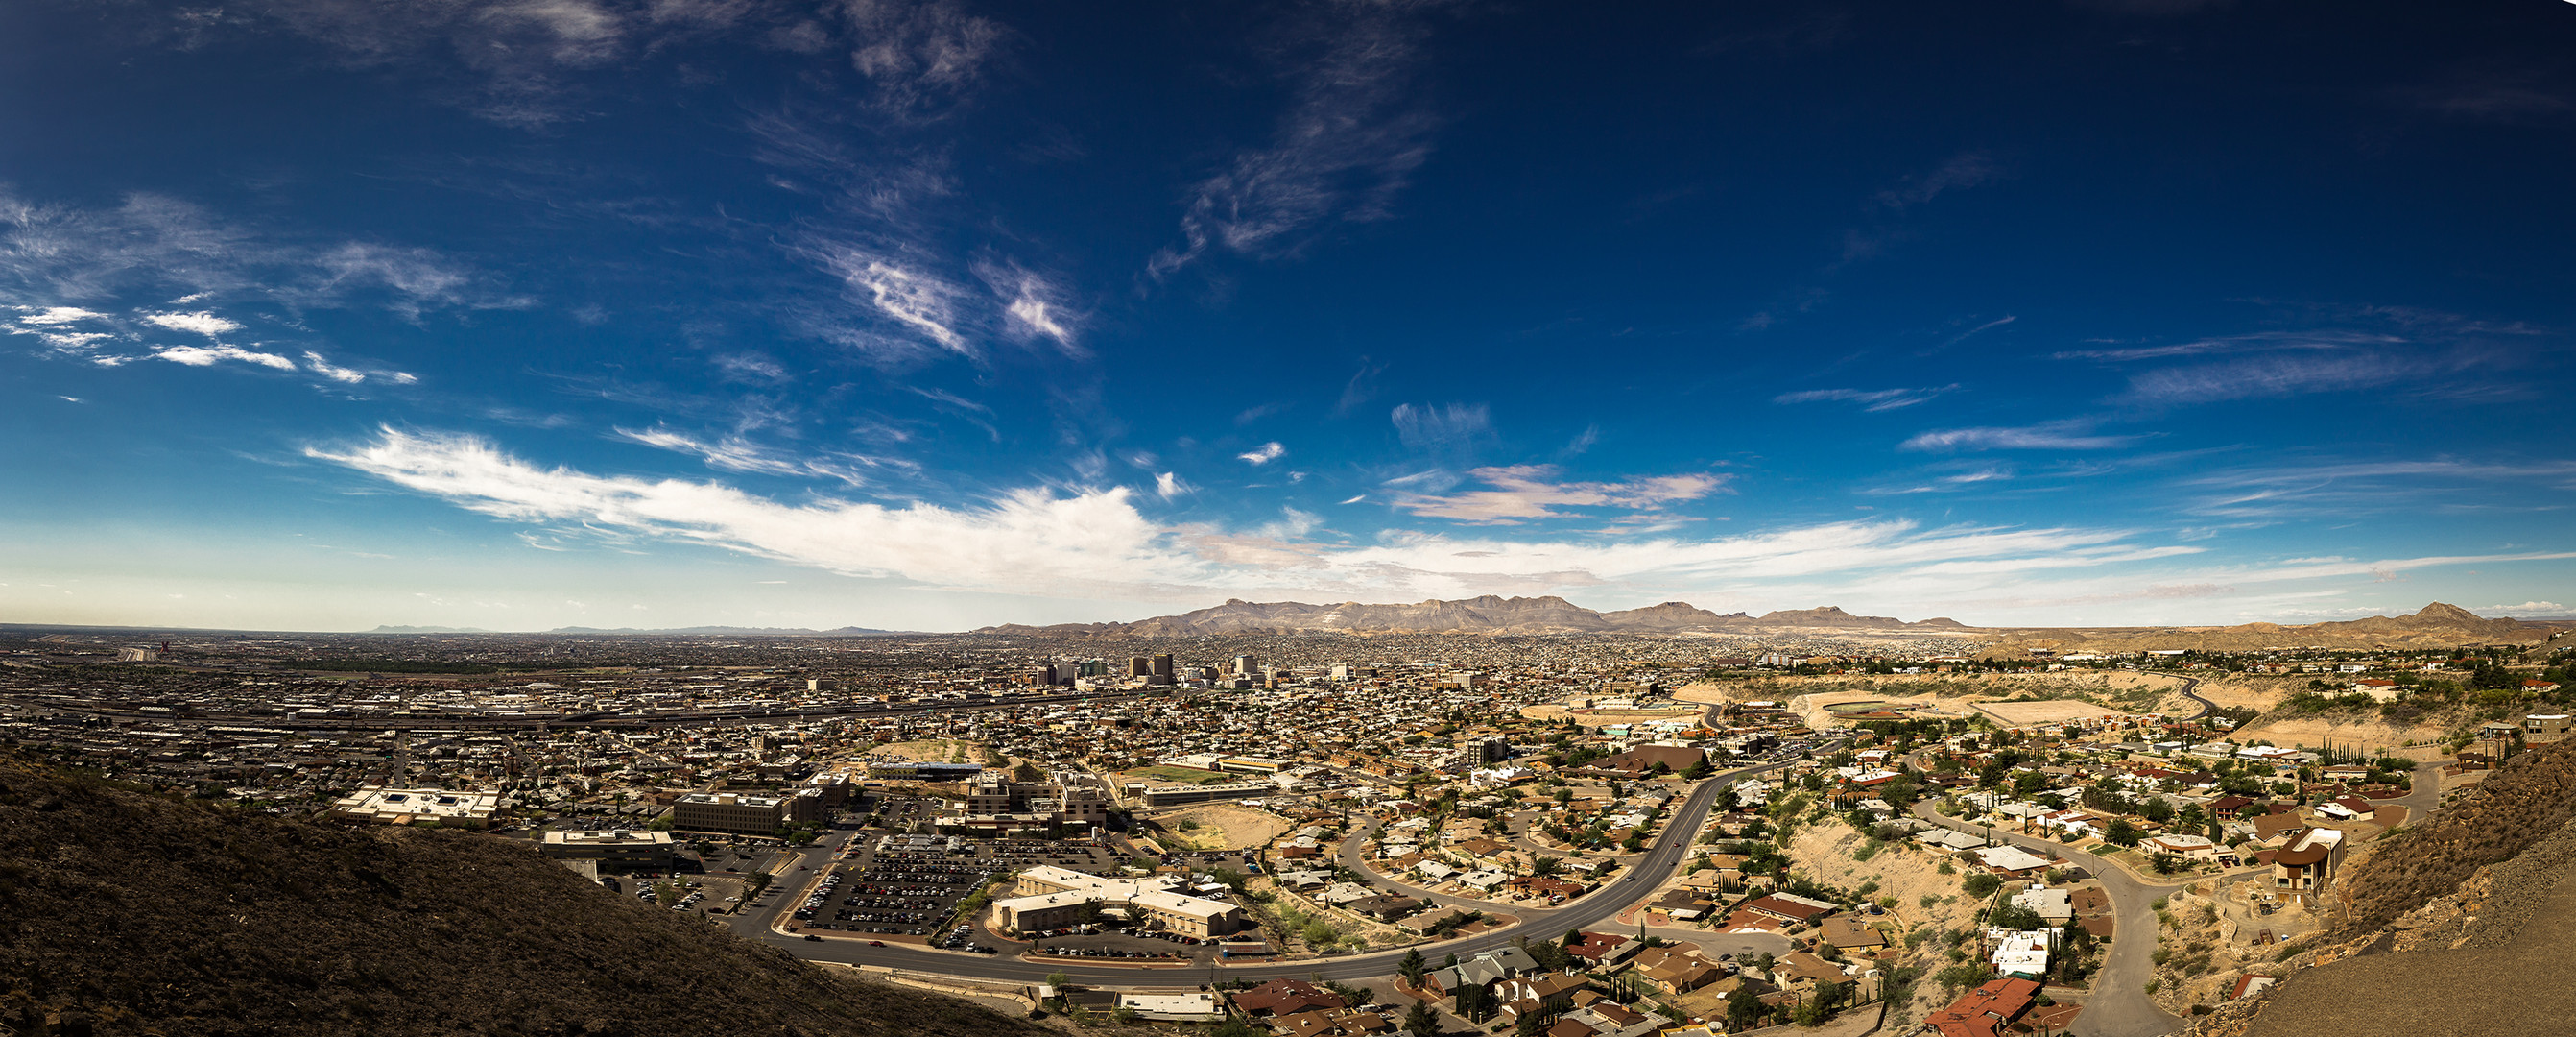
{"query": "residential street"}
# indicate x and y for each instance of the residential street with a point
(2118, 1005)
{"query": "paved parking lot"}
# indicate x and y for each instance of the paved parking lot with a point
(1114, 944)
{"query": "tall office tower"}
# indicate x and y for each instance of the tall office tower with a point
(1139, 666)
(1162, 666)
(1244, 666)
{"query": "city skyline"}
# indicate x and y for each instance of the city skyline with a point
(942, 315)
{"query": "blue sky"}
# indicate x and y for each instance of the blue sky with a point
(321, 314)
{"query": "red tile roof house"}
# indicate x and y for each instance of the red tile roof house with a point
(1598, 949)
(1987, 1010)
(1790, 907)
(1281, 997)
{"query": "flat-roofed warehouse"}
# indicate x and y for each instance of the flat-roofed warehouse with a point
(618, 846)
(406, 806)
(1056, 898)
(728, 812)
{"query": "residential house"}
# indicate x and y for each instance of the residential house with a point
(1677, 972)
(1986, 1011)
(1789, 907)
(2308, 861)
(1286, 997)
(1851, 934)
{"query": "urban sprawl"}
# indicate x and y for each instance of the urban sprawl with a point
(1578, 836)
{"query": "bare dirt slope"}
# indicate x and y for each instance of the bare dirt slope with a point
(131, 913)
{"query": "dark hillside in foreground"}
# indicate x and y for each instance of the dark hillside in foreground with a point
(149, 915)
(2529, 797)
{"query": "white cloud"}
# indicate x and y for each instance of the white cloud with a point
(1096, 545)
(1032, 306)
(206, 324)
(1030, 541)
(915, 299)
(53, 315)
(2528, 608)
(2055, 435)
(1168, 485)
(333, 372)
(1527, 492)
(1264, 454)
(208, 356)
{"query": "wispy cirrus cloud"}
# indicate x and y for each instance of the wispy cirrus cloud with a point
(1869, 399)
(2278, 376)
(1263, 454)
(923, 305)
(1959, 172)
(738, 454)
(1349, 143)
(1521, 493)
(2054, 435)
(66, 258)
(2321, 339)
(1450, 428)
(2410, 485)
(920, 57)
(1033, 306)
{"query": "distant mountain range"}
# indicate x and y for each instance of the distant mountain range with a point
(2436, 625)
(721, 631)
(1485, 615)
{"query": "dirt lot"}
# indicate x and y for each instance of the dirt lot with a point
(2055, 711)
(2341, 731)
(1222, 827)
(935, 750)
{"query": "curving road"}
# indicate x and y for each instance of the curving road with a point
(2191, 690)
(2118, 1005)
(1644, 876)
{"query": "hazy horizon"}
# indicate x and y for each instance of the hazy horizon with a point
(946, 313)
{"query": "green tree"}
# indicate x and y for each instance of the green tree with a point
(2121, 833)
(1059, 980)
(1413, 968)
(1981, 884)
(1743, 1008)
(1421, 1021)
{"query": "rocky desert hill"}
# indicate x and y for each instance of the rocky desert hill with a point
(2461, 925)
(1485, 615)
(135, 913)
